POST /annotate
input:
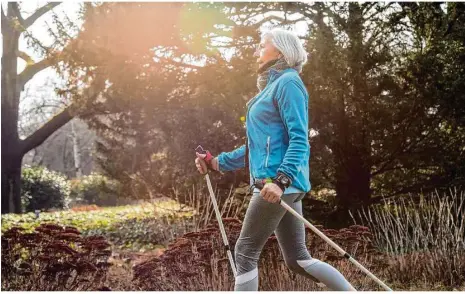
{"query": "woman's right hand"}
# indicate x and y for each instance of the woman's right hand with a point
(201, 164)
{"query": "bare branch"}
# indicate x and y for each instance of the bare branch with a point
(336, 16)
(39, 12)
(59, 120)
(16, 12)
(23, 55)
(235, 45)
(40, 107)
(31, 70)
(39, 136)
(274, 17)
(368, 6)
(178, 63)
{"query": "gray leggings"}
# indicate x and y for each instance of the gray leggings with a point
(261, 219)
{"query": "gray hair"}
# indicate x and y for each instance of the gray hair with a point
(288, 43)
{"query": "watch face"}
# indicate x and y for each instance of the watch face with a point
(284, 180)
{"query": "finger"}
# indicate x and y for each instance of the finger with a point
(200, 156)
(272, 197)
(263, 192)
(269, 196)
(199, 168)
(201, 161)
(198, 163)
(276, 196)
(276, 199)
(265, 197)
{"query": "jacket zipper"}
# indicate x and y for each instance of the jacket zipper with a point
(267, 150)
(248, 105)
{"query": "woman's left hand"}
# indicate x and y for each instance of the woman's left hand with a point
(271, 192)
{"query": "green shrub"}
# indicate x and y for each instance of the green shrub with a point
(134, 227)
(95, 189)
(43, 189)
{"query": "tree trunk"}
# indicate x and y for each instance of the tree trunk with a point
(76, 151)
(353, 165)
(11, 183)
(13, 148)
(352, 181)
(11, 151)
(352, 170)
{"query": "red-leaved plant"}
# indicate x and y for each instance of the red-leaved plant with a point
(53, 258)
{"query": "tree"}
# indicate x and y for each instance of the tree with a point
(352, 50)
(434, 76)
(90, 62)
(14, 148)
(374, 129)
(147, 148)
(150, 148)
(383, 122)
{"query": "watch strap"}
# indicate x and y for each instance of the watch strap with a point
(279, 184)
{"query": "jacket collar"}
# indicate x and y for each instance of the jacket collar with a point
(274, 74)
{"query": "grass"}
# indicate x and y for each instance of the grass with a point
(137, 227)
(424, 237)
(416, 243)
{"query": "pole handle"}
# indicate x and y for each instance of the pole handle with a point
(208, 157)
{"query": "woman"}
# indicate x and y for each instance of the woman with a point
(278, 150)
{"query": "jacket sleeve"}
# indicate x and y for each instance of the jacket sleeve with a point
(229, 161)
(293, 108)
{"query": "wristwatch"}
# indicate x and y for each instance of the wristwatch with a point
(282, 181)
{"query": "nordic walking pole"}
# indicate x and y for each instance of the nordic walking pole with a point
(220, 223)
(335, 246)
(199, 149)
(329, 241)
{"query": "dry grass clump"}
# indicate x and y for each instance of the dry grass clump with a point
(197, 262)
(424, 237)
